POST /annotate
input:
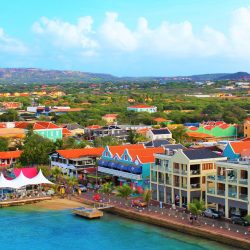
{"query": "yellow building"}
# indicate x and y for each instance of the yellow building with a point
(247, 128)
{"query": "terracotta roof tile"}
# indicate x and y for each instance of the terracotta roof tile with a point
(239, 146)
(10, 154)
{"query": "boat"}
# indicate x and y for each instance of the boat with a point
(87, 212)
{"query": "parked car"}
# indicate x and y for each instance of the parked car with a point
(82, 188)
(139, 203)
(239, 220)
(211, 213)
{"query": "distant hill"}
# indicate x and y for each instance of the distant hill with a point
(34, 75)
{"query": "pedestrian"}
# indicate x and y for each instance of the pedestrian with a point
(191, 219)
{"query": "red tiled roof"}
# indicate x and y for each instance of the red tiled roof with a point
(10, 154)
(120, 149)
(239, 146)
(141, 106)
(23, 125)
(65, 131)
(224, 126)
(193, 128)
(28, 172)
(45, 125)
(198, 135)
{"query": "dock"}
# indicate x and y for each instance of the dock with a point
(86, 212)
(19, 202)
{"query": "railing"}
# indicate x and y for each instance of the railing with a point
(211, 177)
(221, 178)
(194, 172)
(243, 197)
(167, 169)
(168, 182)
(232, 193)
(232, 179)
(176, 170)
(243, 181)
(184, 185)
(221, 192)
(184, 172)
(211, 190)
(195, 185)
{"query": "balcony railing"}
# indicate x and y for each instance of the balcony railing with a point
(176, 170)
(221, 178)
(211, 177)
(232, 179)
(221, 192)
(243, 181)
(184, 172)
(232, 193)
(243, 197)
(211, 191)
(184, 185)
(195, 185)
(194, 172)
(168, 182)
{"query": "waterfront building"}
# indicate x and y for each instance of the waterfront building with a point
(235, 149)
(179, 175)
(228, 189)
(142, 108)
(128, 164)
(76, 162)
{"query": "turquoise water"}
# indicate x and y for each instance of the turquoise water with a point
(28, 229)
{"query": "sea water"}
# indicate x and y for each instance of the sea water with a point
(23, 228)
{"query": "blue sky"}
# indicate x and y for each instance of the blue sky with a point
(127, 37)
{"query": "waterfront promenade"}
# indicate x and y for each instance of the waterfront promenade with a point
(218, 230)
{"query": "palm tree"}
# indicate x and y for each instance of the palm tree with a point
(71, 182)
(107, 188)
(196, 207)
(124, 191)
(56, 172)
(147, 195)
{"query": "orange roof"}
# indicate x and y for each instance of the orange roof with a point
(68, 110)
(143, 131)
(141, 106)
(120, 149)
(239, 146)
(10, 154)
(45, 125)
(23, 125)
(198, 135)
(160, 119)
(81, 152)
(65, 131)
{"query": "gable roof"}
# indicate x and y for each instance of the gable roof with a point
(159, 119)
(197, 154)
(239, 146)
(80, 152)
(141, 106)
(174, 146)
(163, 131)
(10, 154)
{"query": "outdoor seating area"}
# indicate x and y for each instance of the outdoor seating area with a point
(23, 187)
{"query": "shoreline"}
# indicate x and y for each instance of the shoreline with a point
(215, 235)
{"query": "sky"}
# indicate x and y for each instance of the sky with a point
(127, 37)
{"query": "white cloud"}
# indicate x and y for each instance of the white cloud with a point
(67, 35)
(165, 40)
(11, 45)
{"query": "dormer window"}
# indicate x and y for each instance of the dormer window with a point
(125, 157)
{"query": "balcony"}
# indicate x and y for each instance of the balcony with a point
(221, 192)
(232, 179)
(211, 190)
(243, 197)
(168, 169)
(184, 186)
(176, 170)
(243, 181)
(194, 172)
(195, 185)
(221, 178)
(211, 177)
(232, 193)
(184, 172)
(168, 182)
(119, 173)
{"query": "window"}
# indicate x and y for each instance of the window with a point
(125, 157)
(203, 179)
(207, 166)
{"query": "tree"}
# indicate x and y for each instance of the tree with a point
(147, 195)
(36, 150)
(10, 116)
(196, 207)
(179, 134)
(124, 191)
(134, 137)
(4, 144)
(104, 141)
(56, 172)
(107, 188)
(71, 182)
